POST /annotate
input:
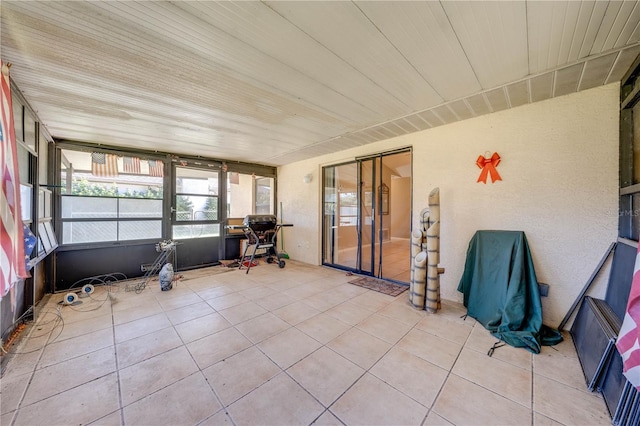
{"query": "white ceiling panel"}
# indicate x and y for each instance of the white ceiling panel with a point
(558, 31)
(259, 26)
(596, 71)
(497, 99)
(478, 104)
(445, 114)
(491, 32)
(277, 82)
(541, 87)
(617, 26)
(461, 109)
(567, 79)
(622, 64)
(346, 31)
(417, 122)
(518, 93)
(422, 33)
(431, 118)
(406, 126)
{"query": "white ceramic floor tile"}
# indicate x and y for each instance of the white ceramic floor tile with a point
(11, 390)
(147, 346)
(372, 402)
(216, 347)
(65, 375)
(498, 376)
(221, 418)
(325, 374)
(327, 419)
(402, 311)
(295, 313)
(226, 301)
(568, 405)
(411, 375)
(464, 402)
(275, 301)
(288, 347)
(323, 327)
(185, 402)
(280, 401)
(177, 298)
(440, 326)
(201, 327)
(565, 369)
(141, 327)
(113, 419)
(262, 327)
(349, 313)
(242, 312)
(101, 395)
(187, 313)
(359, 347)
(435, 420)
(151, 375)
(436, 350)
(234, 377)
(75, 347)
(79, 328)
(372, 300)
(385, 328)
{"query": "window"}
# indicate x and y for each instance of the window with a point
(108, 198)
(264, 197)
(249, 194)
(196, 204)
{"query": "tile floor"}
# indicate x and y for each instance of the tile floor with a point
(293, 346)
(396, 259)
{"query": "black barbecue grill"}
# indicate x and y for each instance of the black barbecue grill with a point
(261, 232)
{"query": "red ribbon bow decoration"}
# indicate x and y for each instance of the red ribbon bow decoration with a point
(488, 166)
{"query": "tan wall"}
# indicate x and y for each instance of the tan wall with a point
(400, 210)
(560, 186)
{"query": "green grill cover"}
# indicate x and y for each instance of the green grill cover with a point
(501, 290)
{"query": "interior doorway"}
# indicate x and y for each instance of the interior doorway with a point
(367, 215)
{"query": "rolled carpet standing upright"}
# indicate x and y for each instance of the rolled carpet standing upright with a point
(416, 247)
(419, 284)
(424, 225)
(433, 303)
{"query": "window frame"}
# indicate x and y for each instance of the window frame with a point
(61, 220)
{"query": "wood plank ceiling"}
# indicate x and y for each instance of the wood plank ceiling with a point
(276, 82)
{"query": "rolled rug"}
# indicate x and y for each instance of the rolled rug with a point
(424, 225)
(416, 247)
(434, 206)
(433, 278)
(420, 280)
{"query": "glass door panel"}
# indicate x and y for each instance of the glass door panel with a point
(363, 227)
(367, 215)
(196, 216)
(340, 242)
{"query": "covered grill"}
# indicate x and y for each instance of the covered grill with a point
(261, 232)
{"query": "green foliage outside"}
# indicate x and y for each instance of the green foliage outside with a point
(84, 188)
(211, 208)
(183, 204)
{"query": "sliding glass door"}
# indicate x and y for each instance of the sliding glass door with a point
(357, 217)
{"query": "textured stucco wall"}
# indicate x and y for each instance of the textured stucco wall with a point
(560, 183)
